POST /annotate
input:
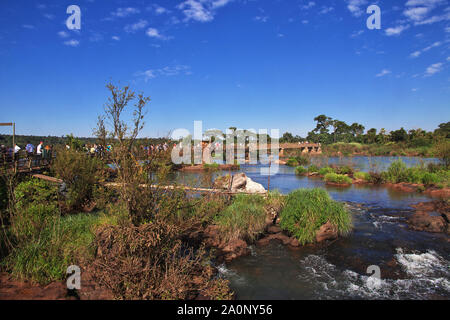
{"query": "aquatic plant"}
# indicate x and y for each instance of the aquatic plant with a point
(325, 170)
(306, 210)
(243, 219)
(292, 162)
(362, 175)
(301, 171)
(313, 168)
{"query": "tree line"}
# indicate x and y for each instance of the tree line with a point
(329, 130)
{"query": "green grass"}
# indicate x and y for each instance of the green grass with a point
(306, 210)
(313, 168)
(337, 178)
(292, 162)
(362, 175)
(431, 175)
(243, 219)
(301, 171)
(44, 257)
(325, 170)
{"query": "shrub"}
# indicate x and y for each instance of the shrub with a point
(397, 172)
(306, 210)
(376, 177)
(153, 264)
(212, 167)
(301, 171)
(362, 175)
(430, 178)
(344, 170)
(81, 173)
(337, 178)
(35, 191)
(302, 160)
(243, 219)
(325, 170)
(313, 168)
(292, 162)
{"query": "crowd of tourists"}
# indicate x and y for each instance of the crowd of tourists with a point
(29, 152)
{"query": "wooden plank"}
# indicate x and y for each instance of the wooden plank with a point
(47, 178)
(6, 124)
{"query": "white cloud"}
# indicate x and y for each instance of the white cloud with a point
(72, 43)
(116, 38)
(261, 18)
(63, 34)
(447, 29)
(309, 5)
(356, 33)
(158, 9)
(153, 33)
(326, 10)
(28, 26)
(383, 73)
(419, 52)
(414, 89)
(418, 11)
(355, 7)
(434, 68)
(396, 30)
(201, 10)
(416, 14)
(125, 12)
(305, 21)
(166, 71)
(132, 28)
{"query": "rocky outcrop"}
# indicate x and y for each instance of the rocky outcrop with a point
(224, 251)
(425, 220)
(326, 232)
(238, 183)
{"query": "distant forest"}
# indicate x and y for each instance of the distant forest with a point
(22, 140)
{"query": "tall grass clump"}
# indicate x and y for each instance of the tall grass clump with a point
(306, 210)
(325, 170)
(243, 219)
(301, 171)
(292, 162)
(337, 178)
(313, 169)
(362, 175)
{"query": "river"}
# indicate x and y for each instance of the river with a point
(413, 265)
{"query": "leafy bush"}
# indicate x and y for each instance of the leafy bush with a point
(337, 178)
(306, 210)
(344, 170)
(325, 170)
(243, 219)
(430, 178)
(362, 175)
(301, 171)
(376, 177)
(35, 191)
(313, 168)
(81, 173)
(302, 160)
(292, 162)
(397, 172)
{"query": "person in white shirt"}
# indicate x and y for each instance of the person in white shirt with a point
(39, 148)
(16, 148)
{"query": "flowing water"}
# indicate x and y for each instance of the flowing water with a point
(413, 265)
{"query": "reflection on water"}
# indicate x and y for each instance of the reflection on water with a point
(414, 265)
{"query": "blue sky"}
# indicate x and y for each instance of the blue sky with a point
(245, 63)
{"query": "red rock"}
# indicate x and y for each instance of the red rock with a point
(326, 232)
(422, 221)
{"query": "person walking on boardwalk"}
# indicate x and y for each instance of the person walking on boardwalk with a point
(39, 152)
